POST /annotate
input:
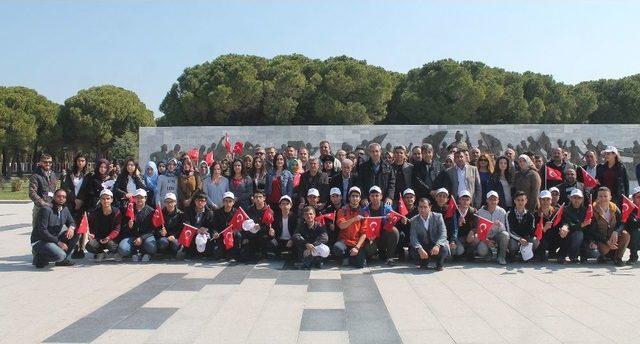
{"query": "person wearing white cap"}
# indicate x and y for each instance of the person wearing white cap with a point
(313, 200)
(344, 180)
(104, 228)
(463, 176)
(521, 225)
(335, 203)
(138, 240)
(376, 171)
(351, 237)
(555, 196)
(441, 206)
(549, 242)
(255, 245)
(574, 229)
(466, 222)
(387, 242)
(607, 228)
(404, 226)
(311, 240)
(612, 174)
(221, 218)
(199, 216)
(284, 225)
(498, 236)
(633, 227)
(428, 237)
(167, 235)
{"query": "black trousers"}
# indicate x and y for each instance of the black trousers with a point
(95, 246)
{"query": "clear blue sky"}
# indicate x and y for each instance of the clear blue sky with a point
(59, 47)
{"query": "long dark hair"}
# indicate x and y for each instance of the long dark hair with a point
(74, 169)
(275, 158)
(507, 173)
(96, 170)
(232, 172)
(123, 169)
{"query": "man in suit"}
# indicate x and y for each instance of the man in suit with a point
(463, 176)
(344, 181)
(428, 236)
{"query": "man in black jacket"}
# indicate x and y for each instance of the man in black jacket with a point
(104, 227)
(42, 183)
(344, 180)
(199, 216)
(49, 243)
(167, 235)
(376, 172)
(424, 174)
(221, 218)
(137, 235)
(314, 178)
(311, 240)
(284, 225)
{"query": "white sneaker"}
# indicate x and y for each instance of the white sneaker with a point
(135, 258)
(100, 257)
(146, 258)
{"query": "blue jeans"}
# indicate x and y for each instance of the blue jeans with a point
(51, 252)
(164, 243)
(127, 248)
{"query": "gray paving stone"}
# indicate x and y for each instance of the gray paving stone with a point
(146, 319)
(233, 274)
(263, 273)
(323, 320)
(189, 284)
(294, 277)
(82, 331)
(324, 285)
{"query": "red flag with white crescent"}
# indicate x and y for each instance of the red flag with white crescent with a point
(84, 225)
(627, 208)
(558, 216)
(227, 238)
(372, 227)
(227, 143)
(158, 217)
(392, 219)
(483, 227)
(553, 174)
(539, 227)
(588, 180)
(238, 218)
(452, 206)
(187, 234)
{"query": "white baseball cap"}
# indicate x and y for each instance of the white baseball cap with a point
(610, 149)
(285, 198)
(545, 194)
(576, 193)
(170, 195)
(442, 190)
(464, 193)
(334, 191)
(375, 188)
(354, 189)
(140, 192)
(634, 191)
(313, 192)
(408, 191)
(554, 189)
(321, 250)
(249, 226)
(492, 193)
(228, 194)
(106, 192)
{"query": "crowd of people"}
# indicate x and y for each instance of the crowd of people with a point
(353, 207)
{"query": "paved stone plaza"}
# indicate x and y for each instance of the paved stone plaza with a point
(207, 302)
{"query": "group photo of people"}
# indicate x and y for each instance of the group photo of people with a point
(369, 205)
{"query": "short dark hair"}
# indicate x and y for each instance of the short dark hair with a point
(45, 156)
(424, 200)
(309, 208)
(259, 192)
(520, 193)
(58, 190)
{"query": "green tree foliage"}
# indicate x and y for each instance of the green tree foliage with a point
(125, 146)
(92, 119)
(291, 89)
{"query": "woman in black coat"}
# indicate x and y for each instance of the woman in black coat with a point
(613, 175)
(127, 182)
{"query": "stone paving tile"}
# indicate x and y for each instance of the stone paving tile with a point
(296, 277)
(325, 285)
(315, 337)
(323, 320)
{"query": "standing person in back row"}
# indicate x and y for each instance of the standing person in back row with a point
(464, 177)
(42, 184)
(376, 172)
(612, 174)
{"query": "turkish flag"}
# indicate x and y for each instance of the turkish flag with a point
(402, 207)
(553, 174)
(238, 218)
(392, 219)
(627, 208)
(193, 155)
(483, 227)
(588, 180)
(130, 214)
(209, 158)
(227, 143)
(227, 238)
(158, 217)
(238, 148)
(321, 219)
(558, 216)
(451, 208)
(84, 225)
(267, 216)
(539, 227)
(589, 215)
(372, 227)
(187, 234)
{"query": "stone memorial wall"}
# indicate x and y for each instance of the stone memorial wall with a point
(540, 139)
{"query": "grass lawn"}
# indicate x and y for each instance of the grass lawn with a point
(7, 194)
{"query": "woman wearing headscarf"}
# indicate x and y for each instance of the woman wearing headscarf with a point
(188, 182)
(528, 181)
(151, 179)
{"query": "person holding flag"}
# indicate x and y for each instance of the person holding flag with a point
(466, 215)
(310, 240)
(351, 237)
(498, 237)
(612, 174)
(222, 219)
(447, 207)
(200, 217)
(574, 223)
(385, 245)
(607, 228)
(137, 236)
(104, 228)
(633, 227)
(167, 233)
(256, 245)
(428, 237)
(544, 220)
(329, 212)
(284, 225)
(313, 200)
(555, 168)
(570, 182)
(521, 225)
(403, 225)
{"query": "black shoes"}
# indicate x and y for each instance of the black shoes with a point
(618, 262)
(77, 254)
(439, 267)
(65, 262)
(39, 263)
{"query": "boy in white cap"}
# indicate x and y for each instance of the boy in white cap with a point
(633, 227)
(256, 245)
(555, 197)
(167, 235)
(311, 240)
(284, 225)
(571, 233)
(404, 225)
(441, 206)
(334, 204)
(466, 221)
(138, 240)
(546, 211)
(313, 200)
(351, 237)
(498, 236)
(104, 227)
(198, 215)
(221, 218)
(387, 242)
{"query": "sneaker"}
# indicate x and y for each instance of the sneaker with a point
(146, 257)
(181, 254)
(100, 257)
(502, 261)
(632, 261)
(39, 263)
(390, 262)
(439, 267)
(135, 258)
(618, 262)
(65, 262)
(117, 257)
(77, 254)
(561, 260)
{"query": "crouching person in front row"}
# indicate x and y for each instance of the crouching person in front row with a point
(311, 240)
(351, 237)
(138, 240)
(167, 235)
(49, 243)
(428, 237)
(104, 228)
